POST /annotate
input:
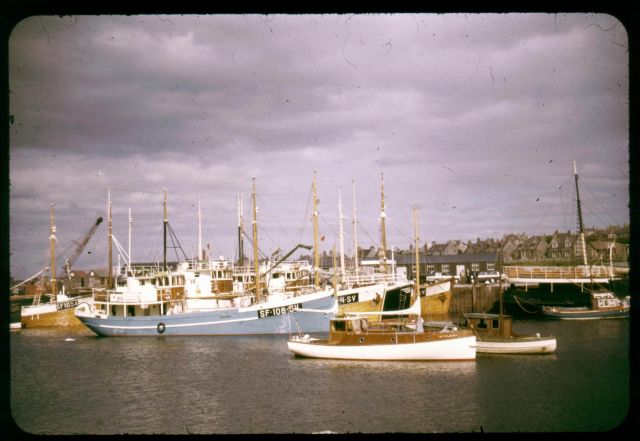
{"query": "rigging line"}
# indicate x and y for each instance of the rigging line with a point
(601, 205)
(307, 214)
(555, 196)
(262, 203)
(363, 229)
(173, 236)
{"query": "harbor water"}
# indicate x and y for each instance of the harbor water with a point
(68, 381)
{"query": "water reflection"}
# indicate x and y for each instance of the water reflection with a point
(457, 367)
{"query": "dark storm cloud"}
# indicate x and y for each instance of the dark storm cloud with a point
(463, 114)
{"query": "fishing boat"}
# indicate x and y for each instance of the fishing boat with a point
(533, 287)
(403, 338)
(604, 305)
(382, 289)
(59, 309)
(494, 333)
(157, 305)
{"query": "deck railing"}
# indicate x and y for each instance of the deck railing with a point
(558, 272)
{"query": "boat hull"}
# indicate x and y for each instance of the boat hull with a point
(436, 301)
(52, 314)
(281, 318)
(451, 349)
(583, 313)
(434, 304)
(523, 345)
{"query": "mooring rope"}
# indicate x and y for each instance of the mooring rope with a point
(522, 307)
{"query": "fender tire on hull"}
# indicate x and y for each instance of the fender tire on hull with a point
(161, 328)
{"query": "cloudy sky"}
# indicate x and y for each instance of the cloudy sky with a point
(474, 118)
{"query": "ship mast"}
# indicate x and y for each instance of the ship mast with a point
(199, 231)
(355, 234)
(580, 223)
(417, 251)
(383, 231)
(240, 232)
(316, 254)
(164, 236)
(341, 216)
(52, 238)
(109, 241)
(129, 250)
(256, 266)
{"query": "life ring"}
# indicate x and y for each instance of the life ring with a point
(161, 328)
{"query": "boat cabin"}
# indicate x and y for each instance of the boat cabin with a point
(154, 294)
(362, 325)
(605, 300)
(487, 325)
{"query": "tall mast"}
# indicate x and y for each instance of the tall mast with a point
(580, 224)
(52, 239)
(199, 231)
(164, 235)
(500, 286)
(417, 240)
(383, 231)
(110, 241)
(240, 232)
(316, 254)
(341, 232)
(129, 250)
(335, 273)
(355, 234)
(256, 267)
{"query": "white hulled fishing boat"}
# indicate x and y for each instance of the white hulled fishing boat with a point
(156, 305)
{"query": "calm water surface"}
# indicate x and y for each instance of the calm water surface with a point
(67, 381)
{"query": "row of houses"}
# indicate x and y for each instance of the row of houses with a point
(548, 249)
(464, 259)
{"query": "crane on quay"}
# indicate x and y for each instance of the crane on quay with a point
(69, 261)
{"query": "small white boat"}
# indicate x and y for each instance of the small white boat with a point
(351, 339)
(494, 336)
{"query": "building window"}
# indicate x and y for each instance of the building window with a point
(491, 266)
(430, 268)
(475, 267)
(445, 268)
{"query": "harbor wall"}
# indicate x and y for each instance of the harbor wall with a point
(474, 298)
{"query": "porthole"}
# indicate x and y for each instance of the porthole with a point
(361, 340)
